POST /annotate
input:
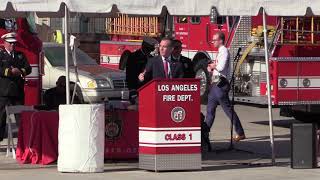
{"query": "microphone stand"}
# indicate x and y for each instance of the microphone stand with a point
(232, 84)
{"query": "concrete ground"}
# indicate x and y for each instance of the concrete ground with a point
(230, 165)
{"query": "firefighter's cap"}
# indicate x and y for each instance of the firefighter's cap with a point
(149, 41)
(9, 37)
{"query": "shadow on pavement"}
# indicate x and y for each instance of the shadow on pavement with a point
(259, 146)
(13, 166)
(260, 153)
(128, 169)
(241, 166)
(286, 123)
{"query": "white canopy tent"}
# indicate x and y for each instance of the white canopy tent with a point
(174, 7)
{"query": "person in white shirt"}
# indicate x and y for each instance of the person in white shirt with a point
(219, 92)
(221, 65)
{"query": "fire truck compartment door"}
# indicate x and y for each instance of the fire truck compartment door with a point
(309, 82)
(288, 85)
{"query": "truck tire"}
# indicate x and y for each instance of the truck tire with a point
(202, 73)
(286, 111)
(305, 116)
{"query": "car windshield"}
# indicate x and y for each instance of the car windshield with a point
(56, 56)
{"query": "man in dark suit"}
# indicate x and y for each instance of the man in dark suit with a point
(186, 62)
(162, 66)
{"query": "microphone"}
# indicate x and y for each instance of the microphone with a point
(222, 75)
(237, 55)
(239, 50)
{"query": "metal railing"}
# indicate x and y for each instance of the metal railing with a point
(300, 30)
(275, 38)
(137, 26)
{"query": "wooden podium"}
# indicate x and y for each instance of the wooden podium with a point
(169, 125)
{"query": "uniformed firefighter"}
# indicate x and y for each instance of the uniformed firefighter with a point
(188, 70)
(13, 69)
(137, 61)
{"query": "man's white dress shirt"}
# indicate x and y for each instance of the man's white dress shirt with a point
(222, 61)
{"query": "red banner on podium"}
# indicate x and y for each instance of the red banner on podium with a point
(121, 142)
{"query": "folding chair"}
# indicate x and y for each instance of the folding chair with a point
(318, 146)
(11, 111)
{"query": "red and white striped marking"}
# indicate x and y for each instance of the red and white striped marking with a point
(34, 72)
(110, 59)
(294, 82)
(190, 53)
(114, 59)
(170, 137)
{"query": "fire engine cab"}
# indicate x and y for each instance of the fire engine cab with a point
(294, 49)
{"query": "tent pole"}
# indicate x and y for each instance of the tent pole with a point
(66, 16)
(268, 87)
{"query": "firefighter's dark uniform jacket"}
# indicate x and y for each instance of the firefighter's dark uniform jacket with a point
(136, 64)
(12, 86)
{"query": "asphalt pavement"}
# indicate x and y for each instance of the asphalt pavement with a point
(251, 160)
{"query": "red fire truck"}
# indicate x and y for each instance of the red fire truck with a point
(31, 46)
(294, 48)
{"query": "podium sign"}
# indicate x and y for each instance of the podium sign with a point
(169, 125)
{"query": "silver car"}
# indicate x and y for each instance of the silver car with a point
(97, 83)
